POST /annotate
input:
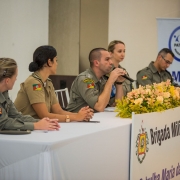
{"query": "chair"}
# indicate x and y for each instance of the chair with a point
(64, 94)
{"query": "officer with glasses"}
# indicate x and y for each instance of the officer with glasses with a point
(156, 71)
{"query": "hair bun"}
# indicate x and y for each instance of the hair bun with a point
(33, 67)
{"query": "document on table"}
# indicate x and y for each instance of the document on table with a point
(109, 109)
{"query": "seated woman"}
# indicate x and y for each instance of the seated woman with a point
(117, 51)
(10, 118)
(36, 95)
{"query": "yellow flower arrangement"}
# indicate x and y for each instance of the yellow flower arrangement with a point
(149, 98)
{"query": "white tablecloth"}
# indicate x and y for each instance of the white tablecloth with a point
(78, 151)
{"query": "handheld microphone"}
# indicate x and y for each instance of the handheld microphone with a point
(126, 77)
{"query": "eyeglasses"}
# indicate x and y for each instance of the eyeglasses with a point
(167, 61)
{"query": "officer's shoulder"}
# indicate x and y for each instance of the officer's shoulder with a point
(144, 70)
(32, 80)
(84, 75)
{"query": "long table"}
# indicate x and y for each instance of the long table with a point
(78, 151)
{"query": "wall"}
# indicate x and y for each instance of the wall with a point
(134, 22)
(23, 27)
(76, 27)
(64, 34)
(93, 28)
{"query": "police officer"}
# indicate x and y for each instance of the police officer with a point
(117, 51)
(10, 118)
(156, 71)
(36, 95)
(90, 88)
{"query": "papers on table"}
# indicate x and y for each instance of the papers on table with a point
(109, 109)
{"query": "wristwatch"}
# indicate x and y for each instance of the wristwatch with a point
(118, 83)
(67, 118)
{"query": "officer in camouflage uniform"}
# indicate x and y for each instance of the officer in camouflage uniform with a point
(156, 71)
(91, 88)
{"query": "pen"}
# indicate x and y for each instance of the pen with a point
(91, 121)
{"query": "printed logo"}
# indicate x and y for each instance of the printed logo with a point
(89, 82)
(141, 144)
(174, 43)
(37, 87)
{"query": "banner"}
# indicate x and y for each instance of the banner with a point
(169, 37)
(155, 146)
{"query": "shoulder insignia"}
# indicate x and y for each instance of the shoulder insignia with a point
(89, 82)
(0, 111)
(37, 87)
(144, 77)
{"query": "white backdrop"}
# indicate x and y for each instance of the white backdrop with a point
(23, 27)
(134, 22)
(169, 37)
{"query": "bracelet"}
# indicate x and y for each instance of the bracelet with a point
(118, 83)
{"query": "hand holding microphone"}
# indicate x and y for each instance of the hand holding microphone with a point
(126, 77)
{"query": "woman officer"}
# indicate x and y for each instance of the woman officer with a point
(10, 118)
(117, 51)
(36, 95)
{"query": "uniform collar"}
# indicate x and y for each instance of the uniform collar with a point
(3, 96)
(38, 76)
(152, 67)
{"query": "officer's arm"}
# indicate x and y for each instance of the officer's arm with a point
(15, 120)
(144, 78)
(42, 111)
(105, 95)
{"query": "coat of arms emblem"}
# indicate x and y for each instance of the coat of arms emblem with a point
(142, 142)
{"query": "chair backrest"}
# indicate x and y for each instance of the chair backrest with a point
(63, 99)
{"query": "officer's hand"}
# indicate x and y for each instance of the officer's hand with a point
(47, 124)
(117, 72)
(120, 78)
(85, 113)
(90, 112)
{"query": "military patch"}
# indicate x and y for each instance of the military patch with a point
(0, 112)
(144, 77)
(37, 87)
(89, 82)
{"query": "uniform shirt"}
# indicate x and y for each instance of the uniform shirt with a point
(150, 75)
(85, 91)
(10, 118)
(32, 91)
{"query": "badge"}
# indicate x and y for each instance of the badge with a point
(144, 77)
(37, 87)
(89, 82)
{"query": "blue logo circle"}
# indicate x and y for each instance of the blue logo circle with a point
(174, 43)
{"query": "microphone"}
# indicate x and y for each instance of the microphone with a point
(126, 77)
